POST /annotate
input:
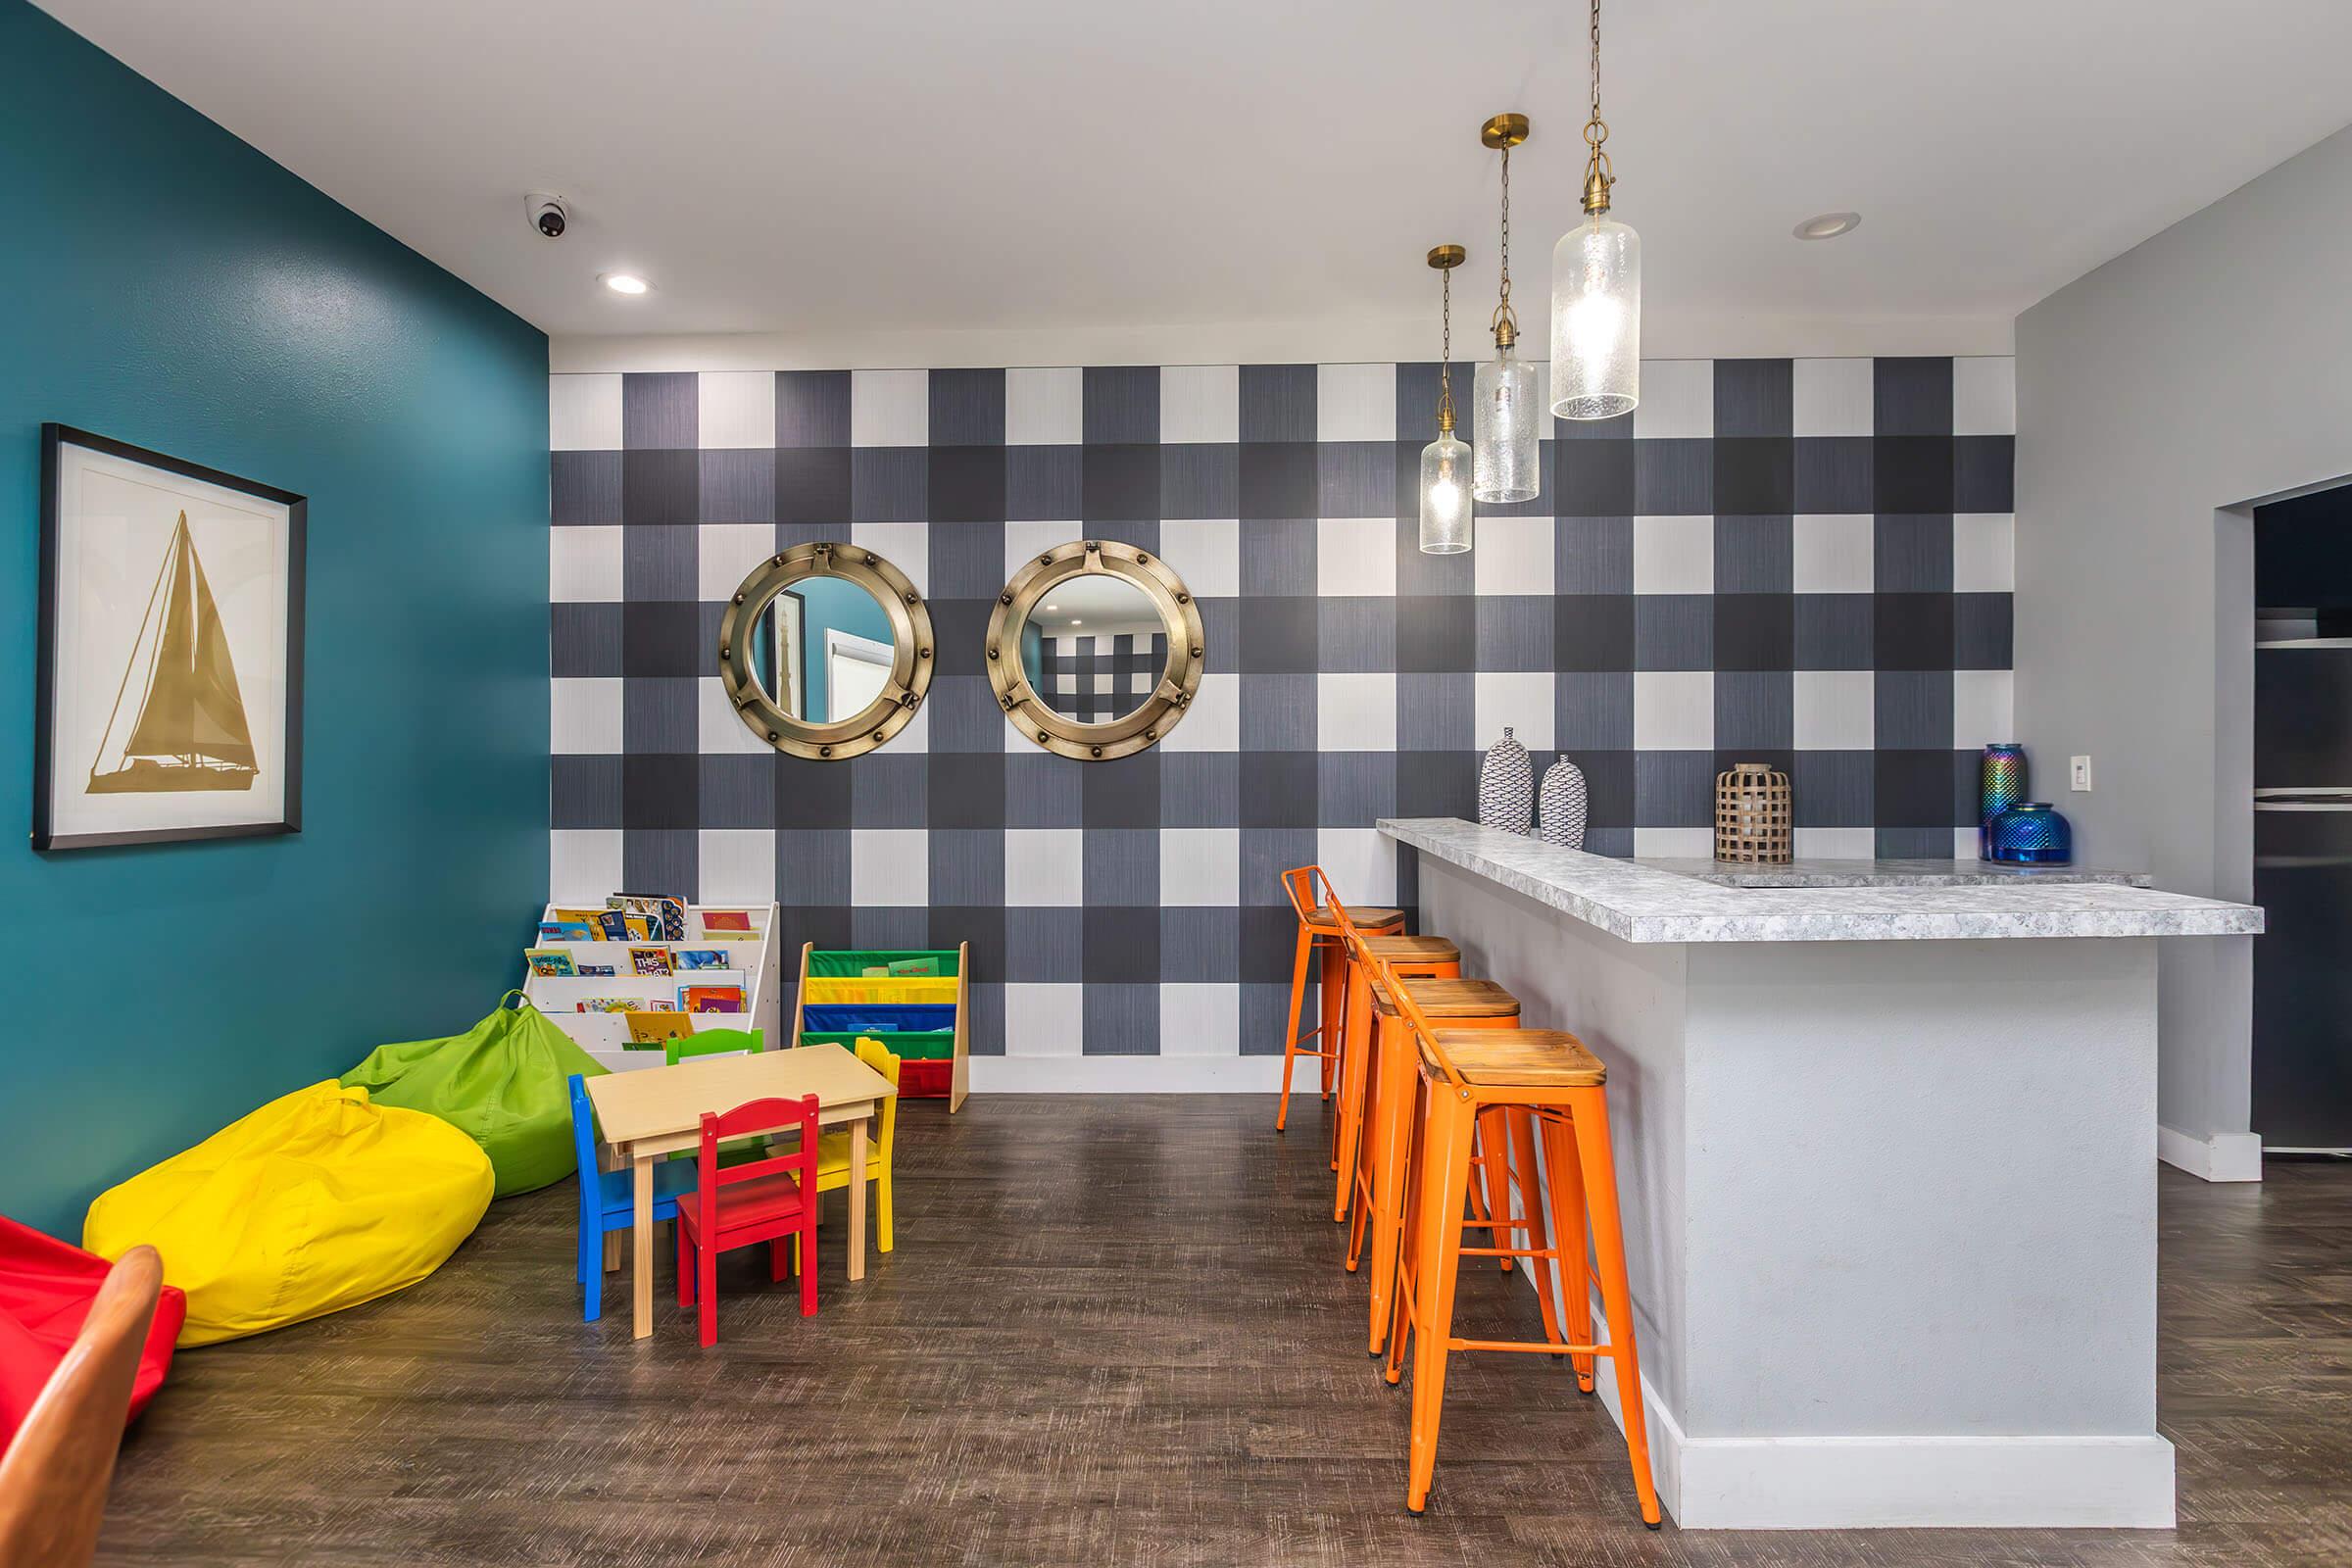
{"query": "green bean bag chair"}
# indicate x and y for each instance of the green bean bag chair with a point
(502, 1083)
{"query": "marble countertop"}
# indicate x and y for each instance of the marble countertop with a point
(1640, 901)
(1846, 874)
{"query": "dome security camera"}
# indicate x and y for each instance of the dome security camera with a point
(549, 215)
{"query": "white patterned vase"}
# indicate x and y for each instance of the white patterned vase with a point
(1561, 808)
(1506, 787)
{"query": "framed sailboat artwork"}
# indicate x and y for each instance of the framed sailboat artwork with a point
(169, 696)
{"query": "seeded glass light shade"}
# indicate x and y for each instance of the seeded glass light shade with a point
(1596, 320)
(1445, 496)
(1507, 416)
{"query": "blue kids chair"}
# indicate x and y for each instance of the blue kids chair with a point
(605, 1202)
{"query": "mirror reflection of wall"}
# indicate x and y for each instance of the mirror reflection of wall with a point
(823, 652)
(1095, 649)
(780, 652)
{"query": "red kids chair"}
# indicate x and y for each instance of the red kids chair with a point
(741, 1206)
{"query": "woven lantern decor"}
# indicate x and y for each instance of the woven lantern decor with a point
(1752, 816)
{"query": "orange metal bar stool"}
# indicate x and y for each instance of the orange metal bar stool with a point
(1424, 957)
(1310, 892)
(1378, 1208)
(1551, 1076)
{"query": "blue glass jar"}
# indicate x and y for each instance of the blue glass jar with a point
(2031, 833)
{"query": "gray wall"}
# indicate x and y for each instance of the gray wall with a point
(2206, 368)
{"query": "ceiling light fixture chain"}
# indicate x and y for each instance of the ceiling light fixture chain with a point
(1506, 320)
(1445, 360)
(1600, 172)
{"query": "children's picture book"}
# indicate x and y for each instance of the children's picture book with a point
(698, 958)
(596, 971)
(668, 913)
(610, 1004)
(711, 998)
(650, 1028)
(614, 924)
(552, 962)
(565, 931)
(716, 921)
(905, 966)
(568, 916)
(650, 960)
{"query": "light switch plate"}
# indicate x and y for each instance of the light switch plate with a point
(2079, 774)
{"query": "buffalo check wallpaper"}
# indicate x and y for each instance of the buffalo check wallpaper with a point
(1798, 561)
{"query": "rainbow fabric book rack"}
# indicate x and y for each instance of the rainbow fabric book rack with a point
(925, 1019)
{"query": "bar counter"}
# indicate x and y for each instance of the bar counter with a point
(1887, 1160)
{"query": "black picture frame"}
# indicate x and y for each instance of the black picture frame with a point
(53, 438)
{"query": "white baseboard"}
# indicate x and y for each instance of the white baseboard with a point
(2215, 1158)
(1887, 1483)
(1138, 1075)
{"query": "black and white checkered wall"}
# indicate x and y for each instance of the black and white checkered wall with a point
(1804, 563)
(1097, 679)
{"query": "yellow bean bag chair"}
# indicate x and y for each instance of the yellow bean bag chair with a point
(317, 1202)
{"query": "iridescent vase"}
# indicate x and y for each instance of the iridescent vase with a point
(2002, 784)
(2031, 833)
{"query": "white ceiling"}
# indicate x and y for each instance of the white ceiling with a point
(1025, 167)
(1101, 601)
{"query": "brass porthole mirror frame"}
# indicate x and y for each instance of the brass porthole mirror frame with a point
(910, 664)
(1179, 679)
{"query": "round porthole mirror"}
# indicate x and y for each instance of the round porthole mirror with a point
(825, 651)
(1094, 649)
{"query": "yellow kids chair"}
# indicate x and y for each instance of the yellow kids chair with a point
(833, 1147)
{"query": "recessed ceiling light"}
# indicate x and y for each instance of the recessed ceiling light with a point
(1827, 226)
(1077, 623)
(1052, 608)
(626, 284)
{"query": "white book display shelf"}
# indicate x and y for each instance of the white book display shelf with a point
(752, 962)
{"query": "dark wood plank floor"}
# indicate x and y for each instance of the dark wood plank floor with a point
(1115, 1332)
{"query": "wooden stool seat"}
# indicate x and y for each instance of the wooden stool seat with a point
(1413, 950)
(1366, 919)
(1545, 1058)
(1449, 999)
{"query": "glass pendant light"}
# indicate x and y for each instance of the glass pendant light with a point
(1445, 462)
(1596, 291)
(1507, 417)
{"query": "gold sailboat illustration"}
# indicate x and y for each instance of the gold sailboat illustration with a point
(190, 733)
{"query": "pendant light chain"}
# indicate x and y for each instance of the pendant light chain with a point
(1505, 315)
(1599, 174)
(1446, 361)
(1596, 61)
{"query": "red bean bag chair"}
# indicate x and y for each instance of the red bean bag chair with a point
(45, 1292)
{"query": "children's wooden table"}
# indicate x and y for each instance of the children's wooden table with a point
(652, 1111)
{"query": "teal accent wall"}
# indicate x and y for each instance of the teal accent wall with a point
(164, 283)
(838, 605)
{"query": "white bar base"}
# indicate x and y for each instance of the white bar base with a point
(1142, 1075)
(1887, 1482)
(2215, 1158)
